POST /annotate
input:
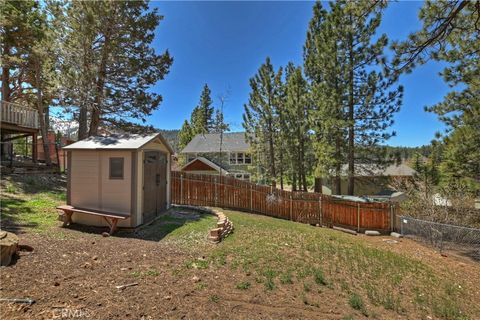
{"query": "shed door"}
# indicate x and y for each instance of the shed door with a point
(155, 184)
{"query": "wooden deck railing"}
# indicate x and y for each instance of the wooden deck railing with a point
(19, 115)
(306, 207)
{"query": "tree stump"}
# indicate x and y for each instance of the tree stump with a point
(8, 247)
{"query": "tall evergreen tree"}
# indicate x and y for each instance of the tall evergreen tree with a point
(450, 33)
(219, 124)
(367, 98)
(260, 118)
(202, 120)
(294, 125)
(114, 50)
(19, 29)
(185, 135)
(323, 65)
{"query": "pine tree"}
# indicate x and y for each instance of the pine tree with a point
(260, 118)
(202, 120)
(219, 124)
(185, 135)
(113, 61)
(294, 125)
(322, 62)
(364, 100)
(450, 33)
(19, 30)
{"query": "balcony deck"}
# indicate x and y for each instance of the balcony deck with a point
(16, 118)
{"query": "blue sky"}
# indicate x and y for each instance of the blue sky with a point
(224, 43)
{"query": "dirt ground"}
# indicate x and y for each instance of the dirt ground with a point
(77, 276)
(73, 273)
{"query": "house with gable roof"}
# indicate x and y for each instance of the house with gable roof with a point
(219, 154)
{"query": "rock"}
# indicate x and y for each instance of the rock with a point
(390, 241)
(195, 279)
(105, 234)
(345, 230)
(372, 233)
(8, 247)
(396, 235)
(167, 297)
(95, 258)
(56, 283)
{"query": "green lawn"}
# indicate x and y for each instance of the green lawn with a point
(28, 205)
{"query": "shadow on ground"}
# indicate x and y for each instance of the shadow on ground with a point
(159, 228)
(11, 213)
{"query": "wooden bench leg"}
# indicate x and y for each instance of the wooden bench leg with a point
(68, 218)
(113, 226)
(112, 222)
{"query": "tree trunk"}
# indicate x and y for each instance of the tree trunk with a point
(82, 122)
(281, 170)
(43, 128)
(351, 124)
(97, 108)
(6, 77)
(47, 119)
(272, 156)
(302, 166)
(294, 181)
(338, 166)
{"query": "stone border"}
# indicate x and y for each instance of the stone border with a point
(224, 225)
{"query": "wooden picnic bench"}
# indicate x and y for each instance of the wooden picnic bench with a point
(110, 218)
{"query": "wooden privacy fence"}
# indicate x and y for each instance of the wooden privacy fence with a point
(306, 207)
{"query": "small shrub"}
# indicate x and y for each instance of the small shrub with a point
(214, 298)
(269, 276)
(148, 273)
(319, 277)
(356, 302)
(136, 274)
(286, 278)
(243, 285)
(201, 286)
(349, 317)
(152, 273)
(269, 284)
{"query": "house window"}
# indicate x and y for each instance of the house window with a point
(233, 158)
(242, 176)
(191, 157)
(240, 158)
(116, 168)
(248, 158)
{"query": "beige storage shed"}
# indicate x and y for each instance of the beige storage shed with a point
(123, 177)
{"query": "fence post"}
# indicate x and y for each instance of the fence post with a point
(181, 188)
(291, 207)
(215, 183)
(358, 217)
(391, 217)
(251, 197)
(320, 209)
